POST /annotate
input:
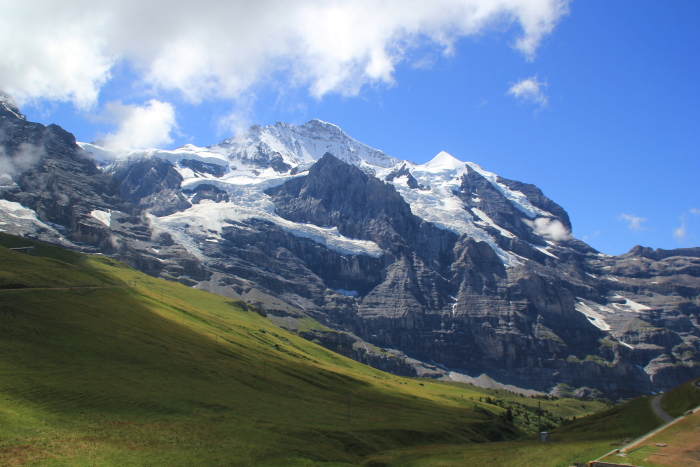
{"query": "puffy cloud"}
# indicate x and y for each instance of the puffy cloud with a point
(634, 222)
(208, 49)
(530, 90)
(550, 228)
(695, 211)
(139, 127)
(52, 52)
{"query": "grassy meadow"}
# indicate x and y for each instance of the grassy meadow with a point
(102, 365)
(581, 440)
(681, 399)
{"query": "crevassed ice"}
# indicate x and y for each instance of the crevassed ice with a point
(17, 210)
(251, 203)
(105, 156)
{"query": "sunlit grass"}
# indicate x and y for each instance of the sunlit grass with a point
(102, 365)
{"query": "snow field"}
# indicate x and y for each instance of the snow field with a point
(301, 146)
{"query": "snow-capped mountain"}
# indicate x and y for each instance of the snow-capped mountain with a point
(248, 164)
(300, 145)
(452, 270)
(281, 147)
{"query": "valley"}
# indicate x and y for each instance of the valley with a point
(442, 270)
(104, 365)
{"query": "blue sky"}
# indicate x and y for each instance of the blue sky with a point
(595, 102)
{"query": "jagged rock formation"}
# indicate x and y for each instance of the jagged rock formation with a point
(441, 269)
(53, 191)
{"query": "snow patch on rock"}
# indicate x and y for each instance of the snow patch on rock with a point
(103, 216)
(441, 207)
(593, 316)
(518, 198)
(629, 305)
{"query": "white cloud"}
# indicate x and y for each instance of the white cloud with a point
(680, 233)
(52, 52)
(21, 159)
(234, 123)
(67, 50)
(634, 222)
(530, 90)
(239, 118)
(550, 228)
(695, 211)
(140, 127)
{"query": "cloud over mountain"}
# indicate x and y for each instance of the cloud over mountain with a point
(209, 49)
(145, 126)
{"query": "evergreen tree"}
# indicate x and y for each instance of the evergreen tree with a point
(509, 415)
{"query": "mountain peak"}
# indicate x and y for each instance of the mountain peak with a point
(294, 145)
(445, 161)
(317, 123)
(8, 103)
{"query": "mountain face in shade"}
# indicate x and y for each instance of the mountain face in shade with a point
(442, 269)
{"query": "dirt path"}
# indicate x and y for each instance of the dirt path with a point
(656, 405)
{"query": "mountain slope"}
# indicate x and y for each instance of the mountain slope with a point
(446, 266)
(103, 365)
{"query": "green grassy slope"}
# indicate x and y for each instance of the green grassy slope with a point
(579, 440)
(102, 365)
(681, 399)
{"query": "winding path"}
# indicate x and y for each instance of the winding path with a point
(656, 405)
(668, 421)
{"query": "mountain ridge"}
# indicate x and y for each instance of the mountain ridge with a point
(443, 263)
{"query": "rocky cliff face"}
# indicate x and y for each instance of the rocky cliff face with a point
(52, 190)
(441, 269)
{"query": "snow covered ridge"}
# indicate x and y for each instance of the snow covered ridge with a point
(105, 157)
(440, 206)
(267, 156)
(293, 145)
(16, 219)
(299, 144)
